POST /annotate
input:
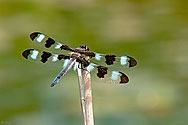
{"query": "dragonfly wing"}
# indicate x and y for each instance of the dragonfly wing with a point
(107, 75)
(46, 58)
(113, 61)
(47, 42)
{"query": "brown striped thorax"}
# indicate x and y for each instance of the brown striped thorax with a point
(105, 67)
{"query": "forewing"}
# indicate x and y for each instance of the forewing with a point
(47, 42)
(113, 61)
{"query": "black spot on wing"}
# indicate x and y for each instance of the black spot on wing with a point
(65, 47)
(110, 59)
(124, 78)
(101, 71)
(49, 42)
(45, 56)
(132, 61)
(61, 56)
(26, 53)
(34, 35)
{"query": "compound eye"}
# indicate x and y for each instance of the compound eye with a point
(87, 48)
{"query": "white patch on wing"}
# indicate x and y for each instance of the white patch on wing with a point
(115, 75)
(76, 66)
(91, 66)
(97, 56)
(123, 60)
(40, 38)
(58, 46)
(55, 58)
(65, 63)
(34, 54)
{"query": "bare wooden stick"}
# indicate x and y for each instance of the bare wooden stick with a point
(82, 98)
(88, 97)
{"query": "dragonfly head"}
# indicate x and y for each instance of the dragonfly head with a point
(85, 47)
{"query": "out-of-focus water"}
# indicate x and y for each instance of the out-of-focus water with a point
(154, 32)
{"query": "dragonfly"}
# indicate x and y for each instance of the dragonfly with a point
(104, 67)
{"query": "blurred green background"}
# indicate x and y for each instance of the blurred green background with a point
(155, 32)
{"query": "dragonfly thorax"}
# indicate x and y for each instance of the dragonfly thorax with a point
(84, 51)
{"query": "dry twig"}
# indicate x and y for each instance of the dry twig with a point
(82, 98)
(88, 97)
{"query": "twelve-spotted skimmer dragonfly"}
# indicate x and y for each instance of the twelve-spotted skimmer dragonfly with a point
(77, 57)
